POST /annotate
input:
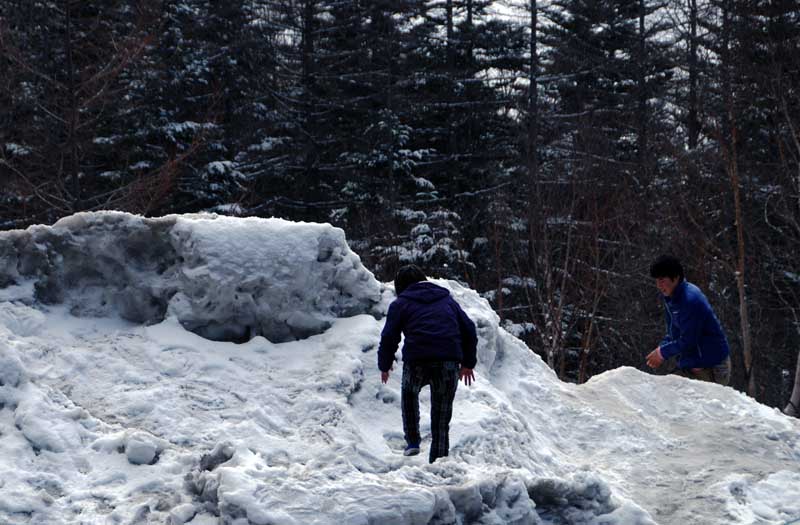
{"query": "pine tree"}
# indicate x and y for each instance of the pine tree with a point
(67, 90)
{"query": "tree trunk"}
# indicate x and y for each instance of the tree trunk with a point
(72, 119)
(556, 312)
(793, 408)
(471, 37)
(729, 148)
(308, 87)
(642, 88)
(470, 69)
(744, 317)
(451, 60)
(795, 134)
(598, 292)
(693, 124)
(532, 151)
(498, 258)
(533, 122)
(451, 78)
(386, 32)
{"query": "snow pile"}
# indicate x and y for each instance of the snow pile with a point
(223, 278)
(773, 499)
(109, 421)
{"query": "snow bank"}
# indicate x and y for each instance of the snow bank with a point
(223, 278)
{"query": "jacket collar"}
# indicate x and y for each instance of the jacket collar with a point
(678, 293)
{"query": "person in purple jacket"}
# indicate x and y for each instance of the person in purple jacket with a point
(694, 333)
(439, 348)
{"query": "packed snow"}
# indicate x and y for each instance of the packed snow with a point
(118, 406)
(224, 278)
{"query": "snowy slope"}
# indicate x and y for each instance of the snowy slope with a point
(105, 420)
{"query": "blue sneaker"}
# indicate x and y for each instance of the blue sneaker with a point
(411, 450)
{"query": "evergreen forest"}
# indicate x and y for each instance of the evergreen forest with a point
(542, 152)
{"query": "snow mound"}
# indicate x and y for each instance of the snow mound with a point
(108, 421)
(223, 278)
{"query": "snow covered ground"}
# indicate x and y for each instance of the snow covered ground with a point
(115, 412)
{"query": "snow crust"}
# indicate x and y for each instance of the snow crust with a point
(107, 420)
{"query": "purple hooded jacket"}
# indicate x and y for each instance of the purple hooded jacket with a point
(434, 325)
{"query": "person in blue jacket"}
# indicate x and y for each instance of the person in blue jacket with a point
(694, 333)
(439, 349)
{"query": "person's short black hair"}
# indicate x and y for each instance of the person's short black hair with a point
(666, 266)
(406, 276)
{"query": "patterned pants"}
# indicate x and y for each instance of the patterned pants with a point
(442, 376)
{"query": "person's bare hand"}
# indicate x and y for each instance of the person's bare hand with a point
(654, 358)
(466, 375)
(384, 377)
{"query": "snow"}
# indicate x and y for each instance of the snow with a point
(112, 175)
(423, 183)
(229, 209)
(420, 229)
(17, 149)
(221, 277)
(518, 329)
(224, 167)
(112, 420)
(773, 499)
(141, 165)
(178, 128)
(516, 281)
(268, 144)
(408, 214)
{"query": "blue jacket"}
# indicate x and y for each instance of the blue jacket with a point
(434, 325)
(693, 330)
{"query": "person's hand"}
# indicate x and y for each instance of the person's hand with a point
(384, 377)
(697, 371)
(654, 358)
(466, 375)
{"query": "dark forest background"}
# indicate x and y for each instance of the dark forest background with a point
(544, 156)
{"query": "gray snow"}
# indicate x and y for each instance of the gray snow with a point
(223, 278)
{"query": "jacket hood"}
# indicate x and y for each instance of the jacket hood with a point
(425, 292)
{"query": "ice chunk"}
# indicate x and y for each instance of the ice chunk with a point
(140, 451)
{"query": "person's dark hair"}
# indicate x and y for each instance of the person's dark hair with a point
(406, 276)
(666, 266)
